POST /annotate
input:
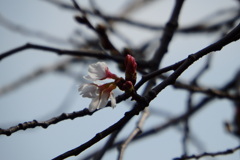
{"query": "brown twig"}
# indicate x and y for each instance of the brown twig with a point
(209, 91)
(168, 33)
(45, 124)
(194, 82)
(78, 53)
(135, 132)
(100, 30)
(55, 120)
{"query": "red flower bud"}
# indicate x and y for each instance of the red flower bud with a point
(131, 69)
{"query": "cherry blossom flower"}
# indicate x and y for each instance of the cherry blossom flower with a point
(99, 71)
(99, 94)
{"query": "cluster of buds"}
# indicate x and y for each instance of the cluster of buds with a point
(101, 93)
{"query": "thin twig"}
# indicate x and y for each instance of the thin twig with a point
(30, 32)
(33, 75)
(168, 33)
(45, 124)
(193, 82)
(77, 53)
(181, 85)
(214, 154)
(135, 132)
(100, 30)
(209, 91)
(55, 120)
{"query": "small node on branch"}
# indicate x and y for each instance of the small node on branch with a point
(80, 19)
(44, 125)
(64, 115)
(192, 57)
(8, 133)
(99, 136)
(152, 94)
(20, 125)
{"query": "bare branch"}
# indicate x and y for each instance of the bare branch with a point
(78, 53)
(168, 33)
(226, 152)
(55, 120)
(209, 91)
(100, 30)
(232, 36)
(34, 75)
(29, 32)
(135, 132)
(45, 124)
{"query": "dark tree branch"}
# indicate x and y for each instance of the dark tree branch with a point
(171, 122)
(45, 124)
(232, 36)
(55, 120)
(168, 33)
(100, 30)
(143, 102)
(174, 121)
(209, 91)
(108, 144)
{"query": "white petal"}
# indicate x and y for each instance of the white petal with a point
(94, 104)
(96, 71)
(89, 90)
(113, 100)
(103, 99)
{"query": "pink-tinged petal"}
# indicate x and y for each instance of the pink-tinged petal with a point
(97, 71)
(89, 90)
(110, 75)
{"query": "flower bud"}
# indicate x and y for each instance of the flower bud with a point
(131, 69)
